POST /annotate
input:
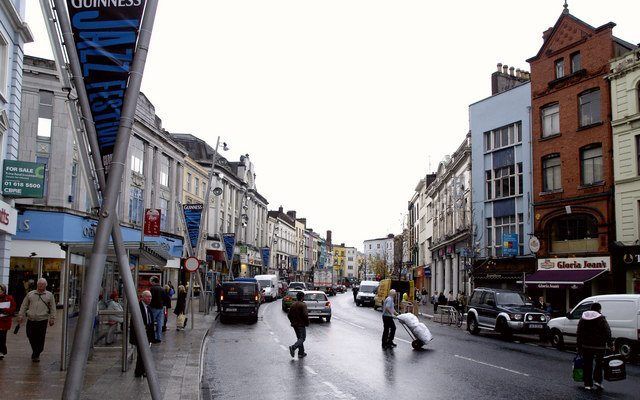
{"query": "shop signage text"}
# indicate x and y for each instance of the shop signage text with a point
(23, 179)
(8, 218)
(575, 263)
(152, 218)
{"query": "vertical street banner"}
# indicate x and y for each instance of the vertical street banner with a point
(106, 34)
(152, 218)
(192, 218)
(510, 244)
(229, 240)
(294, 263)
(265, 253)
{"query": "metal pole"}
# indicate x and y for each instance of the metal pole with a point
(108, 216)
(65, 310)
(191, 297)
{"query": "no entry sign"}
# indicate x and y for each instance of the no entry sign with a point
(191, 264)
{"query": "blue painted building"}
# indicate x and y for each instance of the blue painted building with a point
(14, 33)
(501, 181)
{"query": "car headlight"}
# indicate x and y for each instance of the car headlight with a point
(543, 318)
(516, 317)
(530, 318)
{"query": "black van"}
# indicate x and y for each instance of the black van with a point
(240, 299)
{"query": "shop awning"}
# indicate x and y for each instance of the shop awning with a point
(151, 253)
(562, 278)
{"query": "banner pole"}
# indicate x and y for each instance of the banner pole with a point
(108, 215)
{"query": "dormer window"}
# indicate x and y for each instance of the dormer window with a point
(559, 68)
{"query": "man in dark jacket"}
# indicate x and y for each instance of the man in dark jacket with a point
(147, 319)
(593, 337)
(299, 318)
(157, 308)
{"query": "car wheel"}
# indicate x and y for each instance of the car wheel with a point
(503, 328)
(328, 318)
(472, 325)
(625, 348)
(557, 340)
(223, 319)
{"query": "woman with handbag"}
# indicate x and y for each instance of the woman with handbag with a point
(181, 304)
(7, 308)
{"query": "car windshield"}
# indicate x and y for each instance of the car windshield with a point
(510, 299)
(265, 284)
(368, 288)
(292, 293)
(297, 285)
(315, 297)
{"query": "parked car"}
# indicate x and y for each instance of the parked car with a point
(282, 288)
(269, 286)
(366, 293)
(328, 290)
(341, 289)
(298, 285)
(503, 311)
(240, 298)
(289, 298)
(622, 312)
(318, 304)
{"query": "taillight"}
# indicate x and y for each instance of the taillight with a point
(287, 298)
(221, 297)
(327, 304)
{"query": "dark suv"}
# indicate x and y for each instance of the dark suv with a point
(240, 299)
(503, 311)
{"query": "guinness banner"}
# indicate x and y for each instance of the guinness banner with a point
(106, 32)
(192, 218)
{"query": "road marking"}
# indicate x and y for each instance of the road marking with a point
(310, 370)
(337, 392)
(276, 340)
(491, 365)
(402, 340)
(350, 323)
(284, 347)
(271, 333)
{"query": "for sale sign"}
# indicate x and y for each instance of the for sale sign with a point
(23, 179)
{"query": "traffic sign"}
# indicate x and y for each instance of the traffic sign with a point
(191, 264)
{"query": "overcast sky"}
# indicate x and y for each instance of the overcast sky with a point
(342, 105)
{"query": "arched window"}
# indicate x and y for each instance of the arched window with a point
(573, 233)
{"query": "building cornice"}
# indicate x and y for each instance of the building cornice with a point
(16, 21)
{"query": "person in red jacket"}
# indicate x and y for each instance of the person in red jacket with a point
(7, 308)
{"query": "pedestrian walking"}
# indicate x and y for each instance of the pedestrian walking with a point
(172, 290)
(181, 305)
(157, 308)
(218, 293)
(7, 308)
(442, 299)
(39, 308)
(451, 299)
(389, 327)
(462, 301)
(593, 339)
(114, 321)
(147, 320)
(166, 299)
(425, 296)
(355, 290)
(299, 318)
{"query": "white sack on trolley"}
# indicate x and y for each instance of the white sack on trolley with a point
(410, 320)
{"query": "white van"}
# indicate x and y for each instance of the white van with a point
(269, 286)
(623, 315)
(367, 293)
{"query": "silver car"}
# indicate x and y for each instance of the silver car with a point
(318, 304)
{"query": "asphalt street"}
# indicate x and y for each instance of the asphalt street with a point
(345, 361)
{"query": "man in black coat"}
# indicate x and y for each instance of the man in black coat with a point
(593, 337)
(147, 319)
(299, 318)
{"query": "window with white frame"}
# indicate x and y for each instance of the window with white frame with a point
(591, 165)
(589, 103)
(503, 137)
(136, 205)
(504, 182)
(497, 227)
(164, 211)
(45, 114)
(550, 120)
(4, 65)
(164, 170)
(559, 68)
(136, 148)
(551, 173)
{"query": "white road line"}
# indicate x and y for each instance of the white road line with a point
(276, 340)
(402, 340)
(284, 347)
(337, 392)
(310, 370)
(491, 365)
(350, 323)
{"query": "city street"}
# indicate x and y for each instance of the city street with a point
(345, 361)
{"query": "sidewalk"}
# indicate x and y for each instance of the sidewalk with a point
(177, 362)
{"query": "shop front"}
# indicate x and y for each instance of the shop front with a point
(627, 269)
(502, 273)
(563, 282)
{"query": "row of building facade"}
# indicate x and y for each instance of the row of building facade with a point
(543, 194)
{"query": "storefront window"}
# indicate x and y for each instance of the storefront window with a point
(574, 233)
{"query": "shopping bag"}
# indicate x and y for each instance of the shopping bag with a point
(578, 369)
(614, 368)
(181, 320)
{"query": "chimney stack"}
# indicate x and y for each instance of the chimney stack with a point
(499, 67)
(505, 69)
(329, 238)
(511, 71)
(506, 78)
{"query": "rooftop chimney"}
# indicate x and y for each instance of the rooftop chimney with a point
(329, 238)
(280, 209)
(506, 78)
(292, 214)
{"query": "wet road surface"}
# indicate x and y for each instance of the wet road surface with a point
(345, 361)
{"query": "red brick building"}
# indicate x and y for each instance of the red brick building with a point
(572, 160)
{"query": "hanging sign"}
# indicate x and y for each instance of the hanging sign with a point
(152, 217)
(106, 34)
(294, 263)
(265, 253)
(192, 218)
(510, 244)
(229, 240)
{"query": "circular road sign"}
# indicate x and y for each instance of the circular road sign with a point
(191, 264)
